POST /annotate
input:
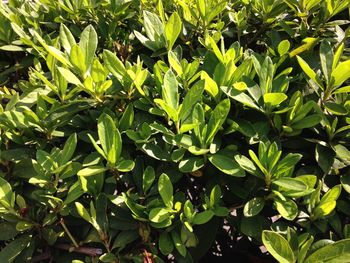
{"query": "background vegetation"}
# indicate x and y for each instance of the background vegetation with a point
(181, 130)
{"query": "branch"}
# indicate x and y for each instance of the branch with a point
(90, 251)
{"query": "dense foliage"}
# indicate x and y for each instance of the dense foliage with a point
(180, 130)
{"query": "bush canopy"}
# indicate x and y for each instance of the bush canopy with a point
(174, 131)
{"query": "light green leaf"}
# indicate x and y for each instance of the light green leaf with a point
(88, 44)
(253, 206)
(170, 90)
(274, 99)
(110, 138)
(341, 73)
(309, 72)
(66, 38)
(83, 212)
(283, 47)
(278, 246)
(226, 164)
(92, 170)
(172, 29)
(69, 76)
(165, 189)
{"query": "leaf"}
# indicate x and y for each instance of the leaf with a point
(192, 97)
(217, 119)
(148, 178)
(127, 118)
(83, 212)
(110, 138)
(165, 243)
(253, 206)
(274, 99)
(8, 231)
(338, 252)
(341, 73)
(191, 164)
(226, 164)
(5, 192)
(88, 44)
(309, 72)
(278, 246)
(283, 47)
(165, 189)
(203, 217)
(326, 57)
(68, 149)
(159, 214)
(66, 38)
(172, 29)
(248, 165)
(307, 122)
(324, 157)
(336, 108)
(287, 209)
(92, 170)
(69, 76)
(113, 63)
(124, 238)
(14, 248)
(345, 181)
(180, 247)
(170, 90)
(125, 166)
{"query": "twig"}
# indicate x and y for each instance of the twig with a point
(90, 251)
(41, 257)
(69, 233)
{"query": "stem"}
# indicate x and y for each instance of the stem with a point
(69, 233)
(90, 251)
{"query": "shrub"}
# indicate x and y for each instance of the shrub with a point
(186, 131)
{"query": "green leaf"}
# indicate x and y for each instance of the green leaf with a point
(127, 118)
(6, 193)
(170, 90)
(113, 63)
(253, 206)
(69, 76)
(124, 238)
(336, 108)
(307, 122)
(217, 119)
(125, 166)
(68, 149)
(66, 38)
(165, 243)
(278, 246)
(203, 217)
(191, 164)
(110, 138)
(180, 247)
(341, 73)
(274, 99)
(14, 248)
(248, 165)
(192, 97)
(88, 44)
(148, 178)
(283, 47)
(159, 214)
(226, 164)
(338, 252)
(92, 170)
(309, 72)
(172, 29)
(287, 209)
(8, 231)
(345, 181)
(326, 57)
(165, 189)
(83, 212)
